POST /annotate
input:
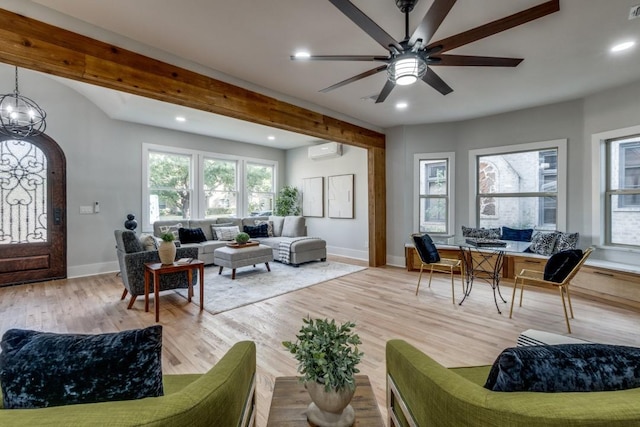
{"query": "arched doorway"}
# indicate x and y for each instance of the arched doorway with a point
(33, 232)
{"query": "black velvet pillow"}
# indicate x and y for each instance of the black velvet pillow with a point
(518, 235)
(426, 249)
(42, 369)
(261, 230)
(566, 368)
(560, 265)
(191, 235)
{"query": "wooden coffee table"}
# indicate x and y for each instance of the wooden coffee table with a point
(290, 400)
(155, 270)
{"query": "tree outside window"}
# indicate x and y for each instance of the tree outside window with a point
(169, 186)
(433, 196)
(220, 188)
(260, 188)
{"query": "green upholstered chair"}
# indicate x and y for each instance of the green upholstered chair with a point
(224, 396)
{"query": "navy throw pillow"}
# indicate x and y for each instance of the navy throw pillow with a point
(560, 265)
(426, 249)
(517, 235)
(42, 369)
(191, 235)
(255, 231)
(566, 368)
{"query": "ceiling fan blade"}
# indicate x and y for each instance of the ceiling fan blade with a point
(476, 61)
(431, 21)
(433, 80)
(355, 78)
(497, 26)
(341, 58)
(386, 90)
(366, 23)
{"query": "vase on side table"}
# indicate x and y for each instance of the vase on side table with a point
(167, 252)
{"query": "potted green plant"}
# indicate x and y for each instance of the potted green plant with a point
(167, 249)
(327, 355)
(242, 238)
(288, 201)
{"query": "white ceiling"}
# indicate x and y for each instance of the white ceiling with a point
(248, 43)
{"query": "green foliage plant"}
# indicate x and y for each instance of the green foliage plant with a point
(242, 238)
(167, 237)
(287, 201)
(327, 353)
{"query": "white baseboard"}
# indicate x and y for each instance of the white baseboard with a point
(348, 253)
(92, 269)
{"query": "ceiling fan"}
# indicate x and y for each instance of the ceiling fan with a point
(410, 59)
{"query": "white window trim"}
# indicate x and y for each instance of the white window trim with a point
(451, 173)
(559, 144)
(599, 181)
(197, 158)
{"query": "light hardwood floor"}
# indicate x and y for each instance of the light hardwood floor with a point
(381, 301)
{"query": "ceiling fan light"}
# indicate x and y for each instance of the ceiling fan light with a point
(406, 71)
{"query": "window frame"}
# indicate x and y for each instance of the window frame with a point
(198, 199)
(559, 144)
(272, 193)
(450, 158)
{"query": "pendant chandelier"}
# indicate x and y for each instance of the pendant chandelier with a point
(20, 117)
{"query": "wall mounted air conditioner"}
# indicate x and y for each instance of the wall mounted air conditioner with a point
(325, 151)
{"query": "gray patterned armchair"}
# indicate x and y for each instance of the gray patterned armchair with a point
(132, 257)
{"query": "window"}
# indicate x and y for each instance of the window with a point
(434, 212)
(519, 186)
(623, 191)
(182, 184)
(170, 185)
(260, 188)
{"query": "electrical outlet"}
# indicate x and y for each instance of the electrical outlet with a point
(85, 210)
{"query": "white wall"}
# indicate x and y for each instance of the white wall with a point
(104, 162)
(345, 237)
(574, 120)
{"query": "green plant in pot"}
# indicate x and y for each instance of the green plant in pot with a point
(167, 249)
(327, 355)
(288, 201)
(242, 238)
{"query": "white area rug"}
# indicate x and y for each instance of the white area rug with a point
(256, 284)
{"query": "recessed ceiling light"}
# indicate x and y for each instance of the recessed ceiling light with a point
(401, 105)
(622, 46)
(271, 137)
(302, 54)
(181, 119)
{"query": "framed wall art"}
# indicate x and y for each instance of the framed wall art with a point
(340, 199)
(313, 196)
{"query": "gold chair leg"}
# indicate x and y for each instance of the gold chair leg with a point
(564, 306)
(521, 291)
(453, 292)
(430, 275)
(513, 298)
(566, 289)
(419, 278)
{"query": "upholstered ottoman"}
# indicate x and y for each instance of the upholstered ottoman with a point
(298, 250)
(241, 257)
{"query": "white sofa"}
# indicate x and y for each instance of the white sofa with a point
(291, 231)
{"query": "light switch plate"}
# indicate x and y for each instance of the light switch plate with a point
(85, 210)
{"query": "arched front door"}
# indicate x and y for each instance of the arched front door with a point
(33, 232)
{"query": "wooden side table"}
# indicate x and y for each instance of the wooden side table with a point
(290, 400)
(157, 269)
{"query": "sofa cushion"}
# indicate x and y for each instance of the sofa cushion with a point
(42, 369)
(173, 229)
(566, 241)
(227, 233)
(255, 231)
(481, 233)
(278, 222)
(222, 224)
(191, 235)
(518, 235)
(269, 226)
(543, 243)
(560, 265)
(293, 226)
(566, 368)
